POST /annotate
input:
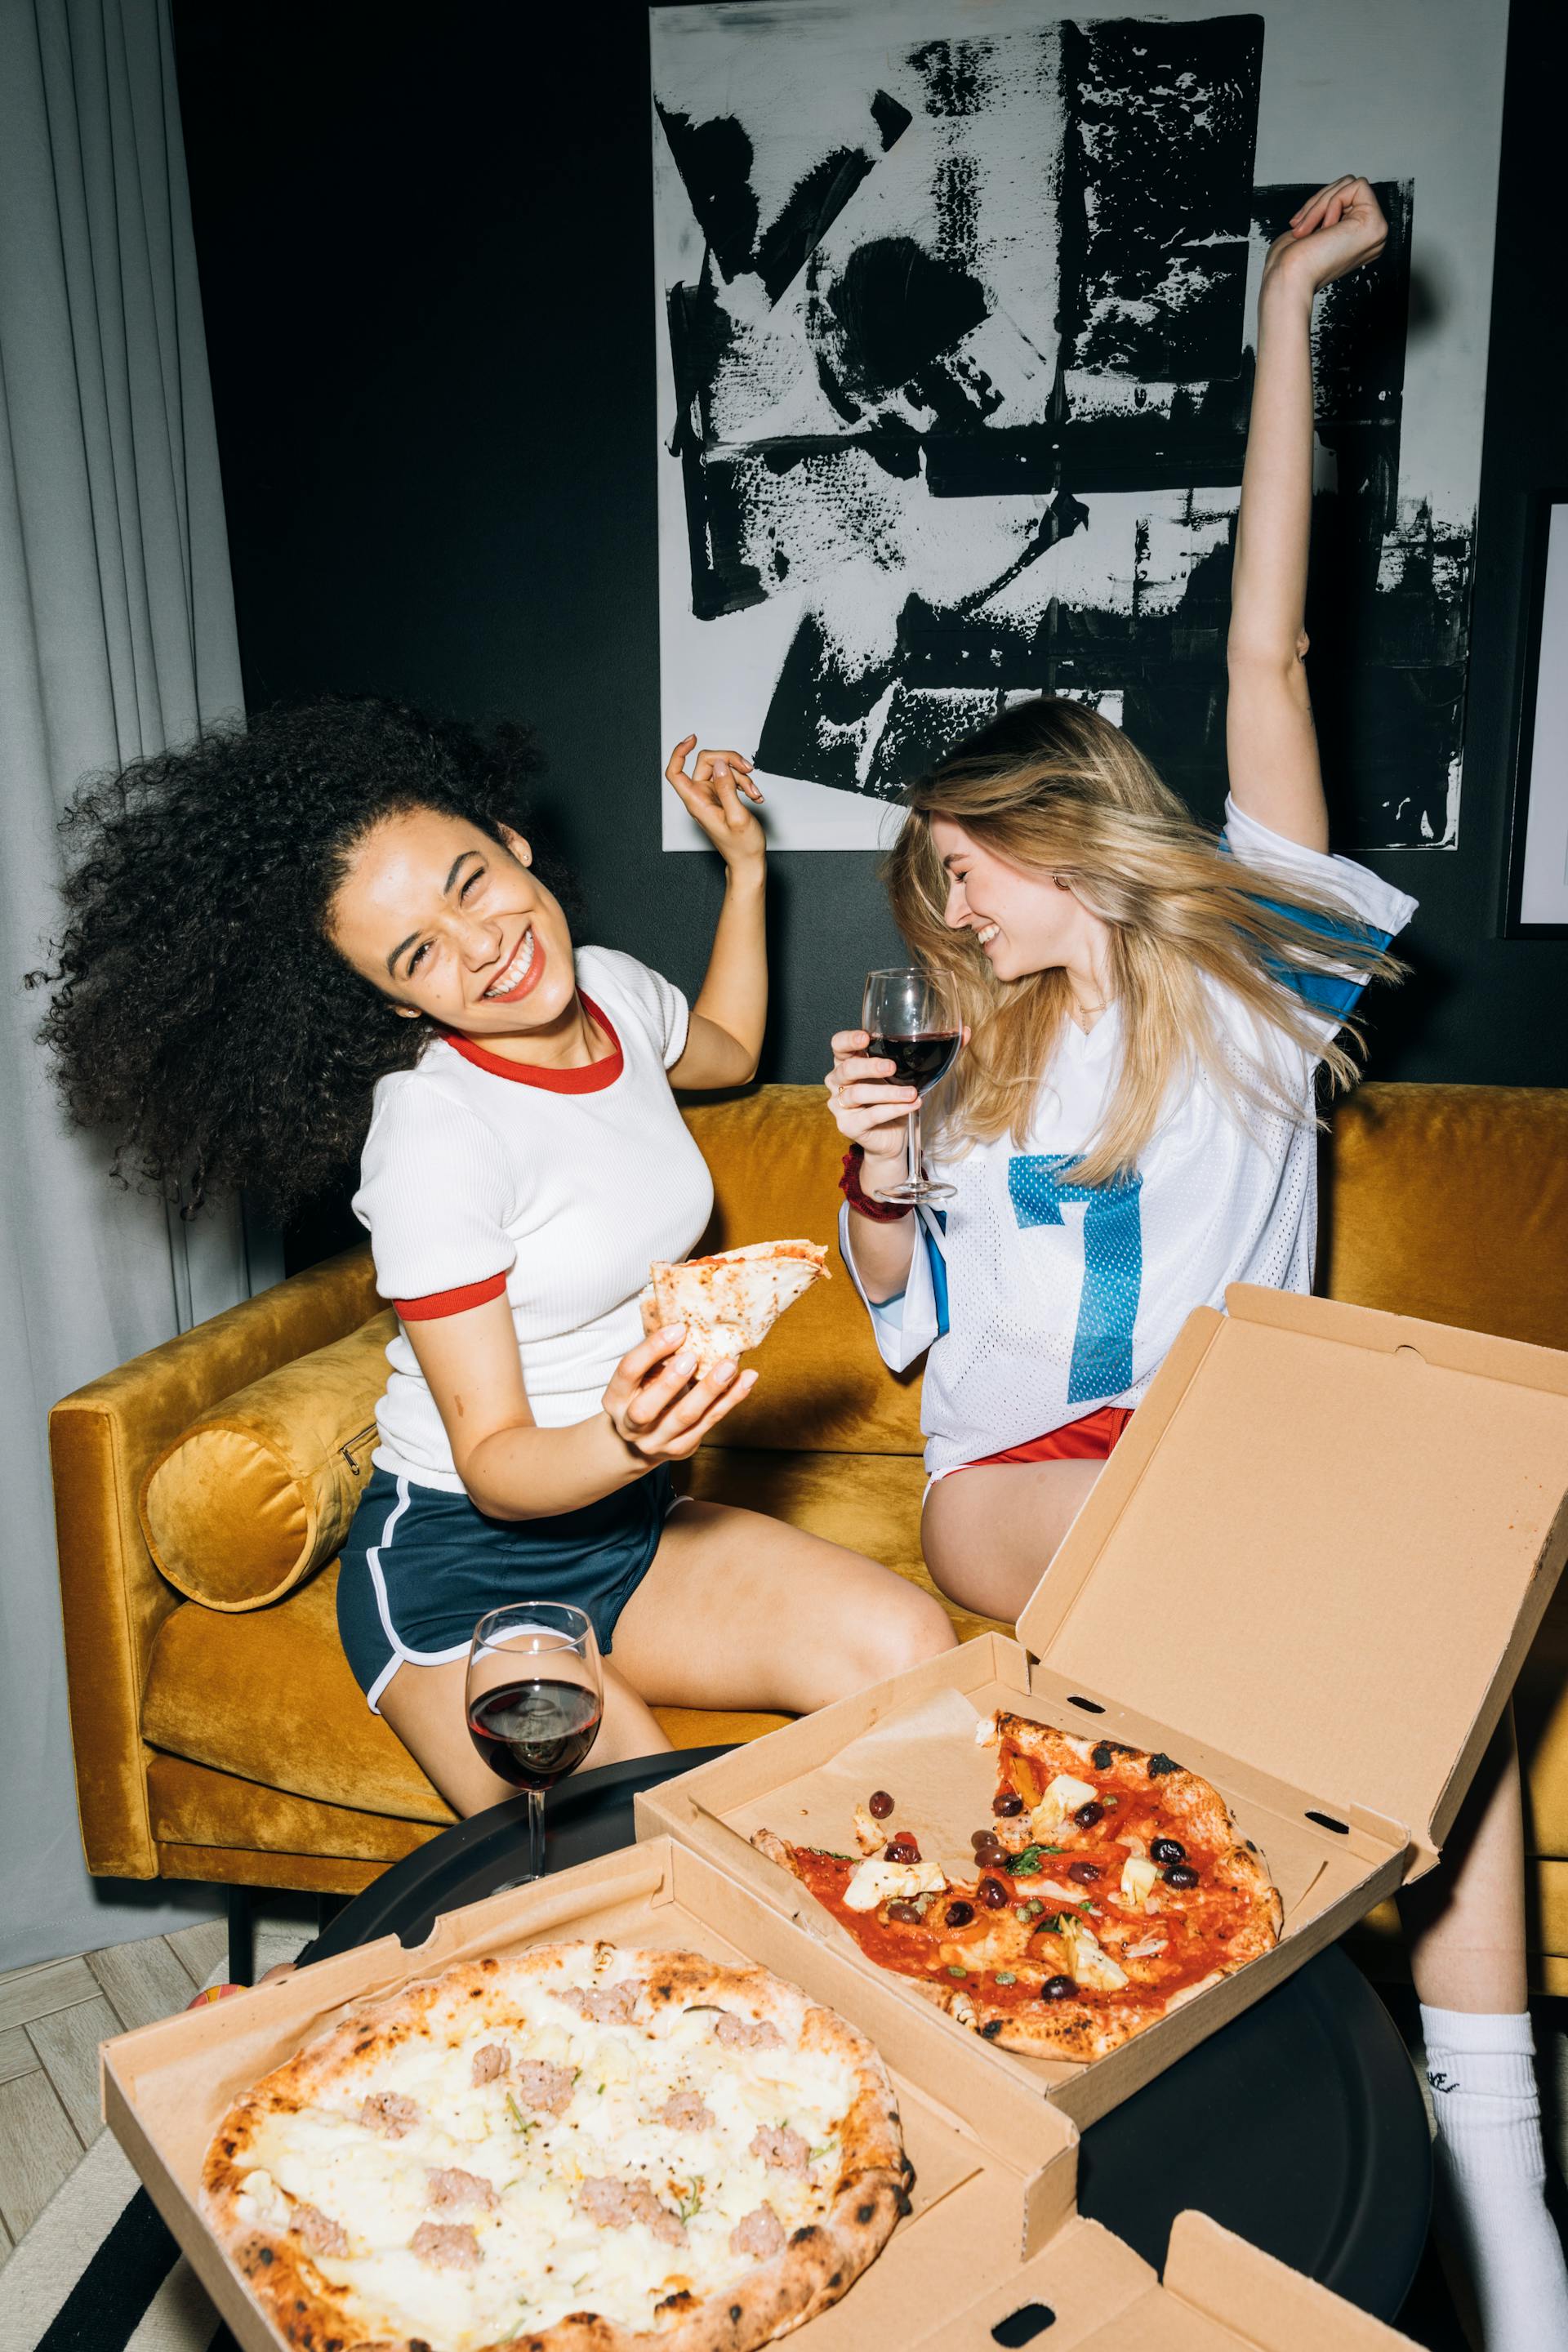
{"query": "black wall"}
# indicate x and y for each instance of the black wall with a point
(425, 247)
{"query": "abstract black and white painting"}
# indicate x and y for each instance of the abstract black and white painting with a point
(955, 304)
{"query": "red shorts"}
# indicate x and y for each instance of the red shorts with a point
(1092, 1439)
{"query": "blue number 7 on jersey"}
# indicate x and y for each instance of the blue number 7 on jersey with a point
(1112, 1266)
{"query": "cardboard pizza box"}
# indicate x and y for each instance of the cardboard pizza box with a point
(1217, 2292)
(994, 2177)
(1310, 1572)
(992, 2251)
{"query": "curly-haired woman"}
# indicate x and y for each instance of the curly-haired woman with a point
(1147, 1010)
(327, 924)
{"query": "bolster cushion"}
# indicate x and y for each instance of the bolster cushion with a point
(258, 1494)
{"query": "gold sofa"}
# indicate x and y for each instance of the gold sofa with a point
(224, 1737)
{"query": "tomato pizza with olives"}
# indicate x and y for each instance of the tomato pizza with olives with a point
(1108, 1886)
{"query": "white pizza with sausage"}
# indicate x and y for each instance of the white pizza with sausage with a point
(576, 2146)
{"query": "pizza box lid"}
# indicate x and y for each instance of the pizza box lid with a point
(1218, 2293)
(1322, 1547)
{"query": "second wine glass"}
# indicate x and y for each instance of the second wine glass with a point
(910, 1025)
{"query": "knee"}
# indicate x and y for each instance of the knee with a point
(910, 1628)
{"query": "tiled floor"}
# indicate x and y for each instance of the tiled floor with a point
(52, 2019)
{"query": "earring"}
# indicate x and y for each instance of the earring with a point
(1061, 881)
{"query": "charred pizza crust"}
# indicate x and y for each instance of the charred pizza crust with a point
(1166, 1940)
(474, 2009)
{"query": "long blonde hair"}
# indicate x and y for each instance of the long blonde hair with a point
(1054, 789)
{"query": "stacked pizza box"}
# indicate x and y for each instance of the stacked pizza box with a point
(991, 2249)
(1307, 1576)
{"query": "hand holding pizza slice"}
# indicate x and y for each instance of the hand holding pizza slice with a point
(730, 1302)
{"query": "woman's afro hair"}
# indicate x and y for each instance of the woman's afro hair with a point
(200, 1018)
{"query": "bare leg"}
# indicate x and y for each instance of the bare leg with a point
(739, 1610)
(990, 1535)
(423, 1705)
(1465, 1922)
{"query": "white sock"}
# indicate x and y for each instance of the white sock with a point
(1492, 2174)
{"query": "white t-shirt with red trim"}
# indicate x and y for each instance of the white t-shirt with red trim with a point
(559, 1188)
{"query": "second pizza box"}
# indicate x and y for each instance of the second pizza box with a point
(992, 2251)
(1310, 1572)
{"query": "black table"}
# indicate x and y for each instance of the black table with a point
(1300, 2125)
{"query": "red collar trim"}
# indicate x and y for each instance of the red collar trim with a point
(588, 1078)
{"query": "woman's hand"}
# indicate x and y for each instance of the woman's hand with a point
(711, 794)
(654, 1406)
(1333, 233)
(867, 1109)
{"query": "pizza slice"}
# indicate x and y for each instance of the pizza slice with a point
(730, 1302)
(1110, 1886)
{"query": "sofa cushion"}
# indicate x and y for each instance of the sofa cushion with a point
(258, 1494)
(1450, 1203)
(192, 1807)
(268, 1694)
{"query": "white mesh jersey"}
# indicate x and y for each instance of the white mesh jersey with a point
(1040, 1299)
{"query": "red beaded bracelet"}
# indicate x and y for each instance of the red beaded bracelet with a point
(881, 1212)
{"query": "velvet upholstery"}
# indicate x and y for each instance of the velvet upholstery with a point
(102, 1439)
(257, 1495)
(225, 1739)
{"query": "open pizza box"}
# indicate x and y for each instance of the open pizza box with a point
(1310, 1572)
(992, 2251)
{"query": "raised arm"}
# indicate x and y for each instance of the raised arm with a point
(725, 1041)
(1272, 746)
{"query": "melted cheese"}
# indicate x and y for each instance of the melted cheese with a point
(1064, 1796)
(1138, 1879)
(1086, 1964)
(887, 1881)
(542, 2256)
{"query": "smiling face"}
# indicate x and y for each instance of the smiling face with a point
(1024, 922)
(449, 922)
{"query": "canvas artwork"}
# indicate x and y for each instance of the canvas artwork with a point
(955, 303)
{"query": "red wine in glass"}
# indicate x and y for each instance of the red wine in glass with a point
(921, 1061)
(909, 1023)
(535, 1693)
(534, 1733)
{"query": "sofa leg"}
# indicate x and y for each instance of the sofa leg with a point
(241, 1935)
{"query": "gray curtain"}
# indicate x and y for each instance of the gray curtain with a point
(117, 639)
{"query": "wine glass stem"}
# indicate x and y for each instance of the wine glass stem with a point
(914, 1145)
(535, 1833)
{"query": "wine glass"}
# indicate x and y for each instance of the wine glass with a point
(535, 1693)
(909, 1024)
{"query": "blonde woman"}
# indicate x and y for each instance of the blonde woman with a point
(1132, 1128)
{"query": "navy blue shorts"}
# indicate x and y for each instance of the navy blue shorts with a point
(421, 1567)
